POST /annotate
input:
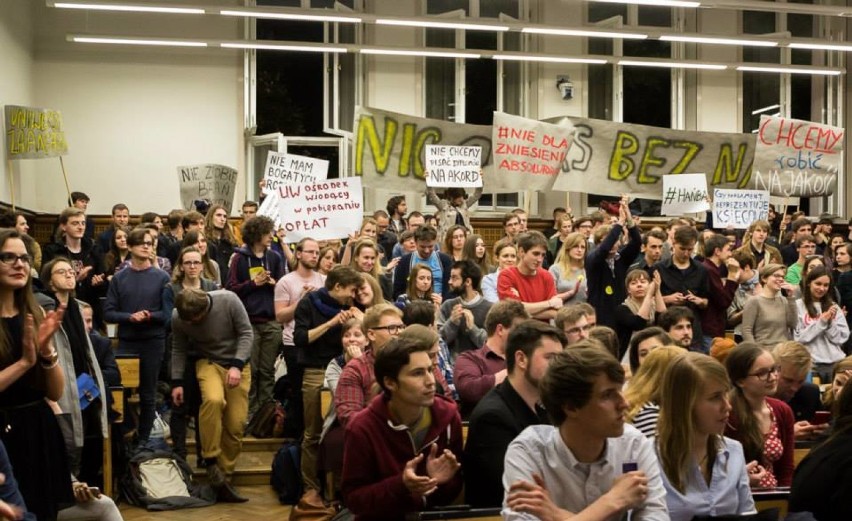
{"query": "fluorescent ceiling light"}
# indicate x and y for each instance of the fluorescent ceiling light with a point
(718, 41)
(821, 46)
(130, 8)
(292, 16)
(589, 33)
(673, 65)
(282, 47)
(765, 109)
(790, 70)
(662, 3)
(137, 41)
(430, 54)
(442, 25)
(552, 59)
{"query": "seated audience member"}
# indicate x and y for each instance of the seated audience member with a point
(574, 322)
(479, 370)
(528, 281)
(568, 269)
(770, 316)
(357, 383)
(643, 393)
(508, 409)
(641, 345)
(420, 287)
(841, 374)
(382, 478)
(821, 326)
(677, 321)
(462, 319)
(704, 473)
(762, 424)
(607, 337)
(721, 347)
(423, 313)
(822, 484)
(355, 345)
(12, 504)
(441, 264)
(103, 349)
(641, 307)
(506, 255)
(747, 288)
(476, 252)
(803, 397)
(18, 221)
(591, 314)
(588, 463)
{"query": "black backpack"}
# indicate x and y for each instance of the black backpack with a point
(286, 476)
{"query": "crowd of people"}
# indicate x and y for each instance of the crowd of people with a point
(600, 369)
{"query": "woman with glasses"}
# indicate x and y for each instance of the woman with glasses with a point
(770, 315)
(761, 423)
(210, 270)
(136, 302)
(30, 374)
(822, 326)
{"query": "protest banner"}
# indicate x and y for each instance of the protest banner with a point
(684, 193)
(452, 166)
(213, 183)
(797, 158)
(611, 158)
(287, 169)
(528, 154)
(324, 210)
(34, 133)
(739, 208)
(389, 147)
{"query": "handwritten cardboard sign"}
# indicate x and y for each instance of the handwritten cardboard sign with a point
(739, 208)
(214, 183)
(684, 193)
(287, 169)
(528, 154)
(453, 166)
(329, 209)
(34, 133)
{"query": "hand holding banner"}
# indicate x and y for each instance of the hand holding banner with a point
(453, 166)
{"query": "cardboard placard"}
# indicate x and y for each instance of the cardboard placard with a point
(739, 208)
(211, 182)
(329, 209)
(685, 193)
(34, 133)
(453, 166)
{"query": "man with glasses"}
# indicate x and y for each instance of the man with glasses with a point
(216, 327)
(574, 322)
(805, 248)
(136, 302)
(478, 371)
(511, 226)
(800, 227)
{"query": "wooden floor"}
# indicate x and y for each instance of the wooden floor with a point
(262, 506)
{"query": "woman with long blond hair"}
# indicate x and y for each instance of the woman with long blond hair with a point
(643, 393)
(569, 269)
(505, 254)
(704, 473)
(365, 259)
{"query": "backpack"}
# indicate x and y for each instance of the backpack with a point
(263, 423)
(286, 477)
(158, 479)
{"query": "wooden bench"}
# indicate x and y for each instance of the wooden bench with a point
(128, 367)
(463, 513)
(773, 498)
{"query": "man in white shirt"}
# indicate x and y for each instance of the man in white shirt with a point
(589, 463)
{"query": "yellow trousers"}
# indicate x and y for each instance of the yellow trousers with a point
(223, 413)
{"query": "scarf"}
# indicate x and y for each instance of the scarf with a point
(75, 330)
(323, 302)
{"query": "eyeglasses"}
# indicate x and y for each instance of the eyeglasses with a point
(65, 272)
(8, 258)
(764, 374)
(576, 330)
(191, 263)
(146, 243)
(393, 329)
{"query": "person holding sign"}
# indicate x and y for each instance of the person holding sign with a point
(454, 208)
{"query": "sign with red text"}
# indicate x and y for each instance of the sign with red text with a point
(212, 183)
(453, 166)
(797, 158)
(684, 193)
(528, 154)
(323, 210)
(34, 133)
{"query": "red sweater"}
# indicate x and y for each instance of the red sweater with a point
(375, 455)
(783, 468)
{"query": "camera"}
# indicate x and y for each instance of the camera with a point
(565, 86)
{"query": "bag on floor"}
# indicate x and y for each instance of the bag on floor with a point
(286, 477)
(262, 424)
(158, 479)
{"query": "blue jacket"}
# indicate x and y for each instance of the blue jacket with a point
(258, 300)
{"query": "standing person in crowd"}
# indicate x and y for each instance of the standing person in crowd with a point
(641, 307)
(652, 251)
(803, 397)
(136, 301)
(528, 281)
(508, 409)
(365, 259)
(247, 211)
(454, 239)
(419, 287)
(506, 255)
(821, 326)
(219, 234)
(385, 238)
(81, 200)
(555, 240)
(157, 261)
(842, 261)
(614, 470)
(769, 316)
(397, 208)
(805, 248)
(86, 258)
(217, 328)
(254, 271)
(400, 453)
(453, 209)
(197, 239)
(327, 259)
(289, 290)
(189, 222)
(30, 374)
(511, 227)
(643, 393)
(717, 251)
(568, 269)
(476, 251)
(575, 322)
(18, 221)
(747, 288)
(120, 219)
(523, 220)
(478, 371)
(174, 235)
(421, 313)
(558, 214)
(684, 279)
(415, 221)
(704, 472)
(462, 319)
(755, 242)
(606, 265)
(801, 227)
(318, 321)
(584, 225)
(369, 294)
(438, 262)
(761, 423)
(117, 254)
